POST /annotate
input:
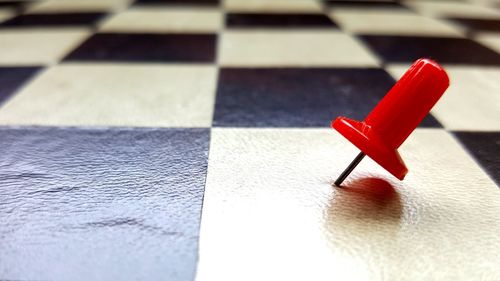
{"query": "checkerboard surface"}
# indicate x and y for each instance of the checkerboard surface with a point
(190, 140)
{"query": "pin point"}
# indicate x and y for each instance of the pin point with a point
(394, 118)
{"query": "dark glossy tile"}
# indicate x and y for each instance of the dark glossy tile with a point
(179, 2)
(63, 19)
(107, 204)
(242, 20)
(299, 97)
(12, 78)
(11, 3)
(364, 4)
(485, 147)
(478, 24)
(14, 4)
(146, 47)
(17, 6)
(403, 49)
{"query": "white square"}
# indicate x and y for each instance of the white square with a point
(78, 6)
(453, 9)
(198, 20)
(392, 22)
(116, 95)
(471, 103)
(292, 48)
(266, 6)
(38, 46)
(5, 14)
(489, 39)
(270, 211)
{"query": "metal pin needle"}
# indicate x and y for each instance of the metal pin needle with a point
(349, 168)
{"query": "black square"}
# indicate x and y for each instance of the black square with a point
(485, 147)
(298, 97)
(406, 49)
(178, 2)
(16, 5)
(146, 47)
(478, 24)
(62, 19)
(13, 3)
(12, 78)
(251, 20)
(117, 204)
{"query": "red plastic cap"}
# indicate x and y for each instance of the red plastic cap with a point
(396, 115)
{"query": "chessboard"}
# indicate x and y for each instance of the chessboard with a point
(191, 140)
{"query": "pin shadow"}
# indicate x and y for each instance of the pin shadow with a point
(366, 210)
(367, 198)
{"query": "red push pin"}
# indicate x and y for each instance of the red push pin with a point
(394, 118)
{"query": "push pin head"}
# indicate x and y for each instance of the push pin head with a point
(395, 117)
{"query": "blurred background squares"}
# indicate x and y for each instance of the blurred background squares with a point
(490, 39)
(298, 97)
(6, 14)
(365, 4)
(469, 104)
(161, 19)
(178, 2)
(38, 46)
(12, 78)
(484, 146)
(478, 24)
(387, 22)
(116, 95)
(54, 20)
(396, 49)
(292, 48)
(453, 9)
(15, 5)
(63, 6)
(273, 6)
(268, 20)
(127, 47)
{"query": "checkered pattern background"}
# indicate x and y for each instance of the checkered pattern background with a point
(189, 139)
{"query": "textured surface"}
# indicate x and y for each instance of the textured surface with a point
(108, 107)
(269, 203)
(109, 204)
